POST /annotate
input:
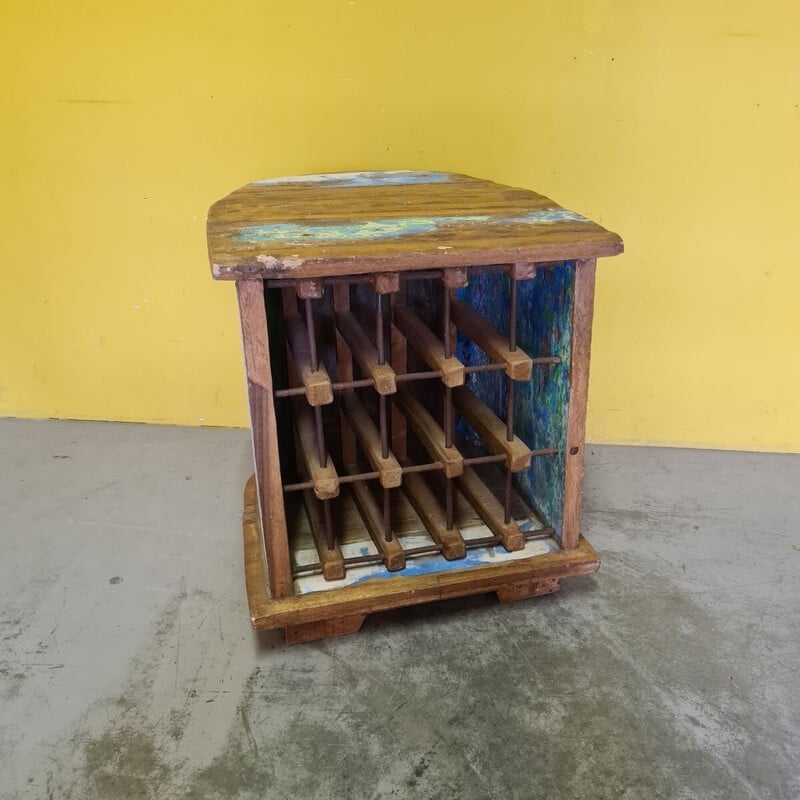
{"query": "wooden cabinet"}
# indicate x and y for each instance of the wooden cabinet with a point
(417, 354)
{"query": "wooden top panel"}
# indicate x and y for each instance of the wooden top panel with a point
(356, 222)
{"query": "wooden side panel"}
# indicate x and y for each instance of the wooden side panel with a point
(582, 314)
(356, 223)
(544, 328)
(255, 343)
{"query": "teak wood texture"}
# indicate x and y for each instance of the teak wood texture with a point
(352, 223)
(417, 351)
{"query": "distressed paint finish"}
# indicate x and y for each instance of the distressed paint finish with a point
(356, 223)
(544, 327)
(373, 230)
(345, 180)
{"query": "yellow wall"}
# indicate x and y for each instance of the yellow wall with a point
(675, 124)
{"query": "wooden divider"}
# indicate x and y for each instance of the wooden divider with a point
(364, 351)
(326, 479)
(496, 346)
(492, 430)
(370, 440)
(316, 383)
(429, 432)
(430, 511)
(390, 549)
(490, 510)
(428, 346)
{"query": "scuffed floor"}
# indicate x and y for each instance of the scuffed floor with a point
(128, 668)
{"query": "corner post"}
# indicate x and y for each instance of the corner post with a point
(582, 313)
(255, 343)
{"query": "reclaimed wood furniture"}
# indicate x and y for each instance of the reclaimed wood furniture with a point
(417, 354)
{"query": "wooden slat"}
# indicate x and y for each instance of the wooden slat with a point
(582, 313)
(316, 383)
(430, 349)
(386, 282)
(528, 588)
(391, 551)
(432, 515)
(522, 271)
(255, 343)
(370, 440)
(344, 372)
(486, 336)
(429, 432)
(490, 510)
(331, 560)
(326, 480)
(364, 351)
(492, 430)
(399, 361)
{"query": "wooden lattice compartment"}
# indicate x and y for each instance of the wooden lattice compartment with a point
(417, 418)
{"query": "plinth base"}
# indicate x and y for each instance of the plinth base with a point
(338, 611)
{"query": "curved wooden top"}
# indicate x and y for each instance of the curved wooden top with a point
(355, 222)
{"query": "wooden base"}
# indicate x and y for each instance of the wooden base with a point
(335, 612)
(324, 629)
(530, 588)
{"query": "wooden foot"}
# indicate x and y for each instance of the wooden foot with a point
(529, 588)
(322, 629)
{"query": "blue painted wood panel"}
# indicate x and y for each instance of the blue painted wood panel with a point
(544, 327)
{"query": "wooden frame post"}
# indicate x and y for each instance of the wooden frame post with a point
(255, 343)
(582, 313)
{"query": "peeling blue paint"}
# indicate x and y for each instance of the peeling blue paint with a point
(299, 233)
(295, 233)
(432, 565)
(544, 327)
(345, 180)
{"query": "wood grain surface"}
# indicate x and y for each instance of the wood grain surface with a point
(353, 223)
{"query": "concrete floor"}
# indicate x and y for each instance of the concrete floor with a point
(128, 668)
